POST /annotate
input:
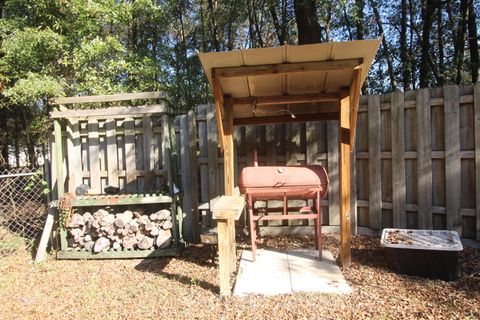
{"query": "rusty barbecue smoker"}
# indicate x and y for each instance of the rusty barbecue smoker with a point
(284, 183)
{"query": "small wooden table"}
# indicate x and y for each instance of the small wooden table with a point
(226, 210)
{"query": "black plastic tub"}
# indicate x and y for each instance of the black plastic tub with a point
(425, 253)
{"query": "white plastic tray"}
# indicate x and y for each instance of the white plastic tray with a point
(441, 240)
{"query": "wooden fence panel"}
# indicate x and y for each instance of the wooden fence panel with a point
(416, 161)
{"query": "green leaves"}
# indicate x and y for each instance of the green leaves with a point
(34, 87)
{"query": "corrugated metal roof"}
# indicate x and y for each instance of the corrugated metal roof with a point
(304, 82)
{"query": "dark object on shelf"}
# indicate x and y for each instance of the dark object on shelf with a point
(82, 190)
(430, 254)
(111, 190)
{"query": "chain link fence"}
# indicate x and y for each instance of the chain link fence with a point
(23, 208)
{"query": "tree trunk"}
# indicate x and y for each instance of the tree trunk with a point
(386, 51)
(473, 42)
(440, 35)
(459, 49)
(307, 23)
(428, 8)
(214, 31)
(404, 57)
(279, 30)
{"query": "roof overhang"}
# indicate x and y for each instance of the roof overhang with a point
(289, 83)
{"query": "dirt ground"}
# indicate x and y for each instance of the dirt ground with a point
(186, 288)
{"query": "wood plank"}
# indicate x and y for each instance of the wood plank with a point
(344, 177)
(131, 166)
(270, 147)
(312, 142)
(212, 134)
(74, 154)
(266, 69)
(476, 106)
(452, 158)
(424, 159)
(94, 155)
(228, 207)
(353, 192)
(333, 173)
(187, 189)
(203, 152)
(374, 163)
(167, 152)
(398, 160)
(251, 144)
(228, 152)
(193, 167)
(284, 119)
(149, 145)
(110, 97)
(288, 99)
(292, 132)
(112, 152)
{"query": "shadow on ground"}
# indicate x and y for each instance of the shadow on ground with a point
(197, 254)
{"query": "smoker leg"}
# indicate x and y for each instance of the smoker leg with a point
(318, 226)
(253, 229)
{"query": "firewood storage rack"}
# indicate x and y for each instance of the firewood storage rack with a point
(145, 165)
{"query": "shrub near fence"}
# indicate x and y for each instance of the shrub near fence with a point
(22, 208)
(416, 163)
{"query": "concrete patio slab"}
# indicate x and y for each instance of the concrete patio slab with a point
(289, 271)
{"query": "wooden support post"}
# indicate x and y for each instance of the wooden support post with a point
(226, 210)
(57, 128)
(228, 162)
(345, 139)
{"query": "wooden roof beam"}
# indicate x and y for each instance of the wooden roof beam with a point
(288, 99)
(268, 69)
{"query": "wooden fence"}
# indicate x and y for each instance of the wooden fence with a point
(416, 162)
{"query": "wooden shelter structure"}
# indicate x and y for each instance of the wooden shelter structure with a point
(292, 84)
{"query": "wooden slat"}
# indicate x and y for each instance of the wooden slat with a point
(333, 173)
(353, 193)
(94, 155)
(476, 106)
(74, 155)
(355, 87)
(110, 98)
(149, 144)
(186, 179)
(81, 255)
(245, 71)
(212, 133)
(288, 99)
(374, 163)
(270, 147)
(203, 167)
(219, 102)
(312, 142)
(292, 133)
(398, 161)
(131, 166)
(112, 152)
(452, 158)
(424, 159)
(192, 159)
(344, 176)
(251, 146)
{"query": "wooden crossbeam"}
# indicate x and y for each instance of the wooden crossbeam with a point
(111, 97)
(289, 99)
(285, 119)
(114, 112)
(267, 69)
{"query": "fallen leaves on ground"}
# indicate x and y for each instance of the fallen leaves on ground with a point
(186, 288)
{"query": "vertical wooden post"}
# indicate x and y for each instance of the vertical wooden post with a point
(476, 106)
(224, 254)
(344, 173)
(228, 161)
(57, 128)
(229, 167)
